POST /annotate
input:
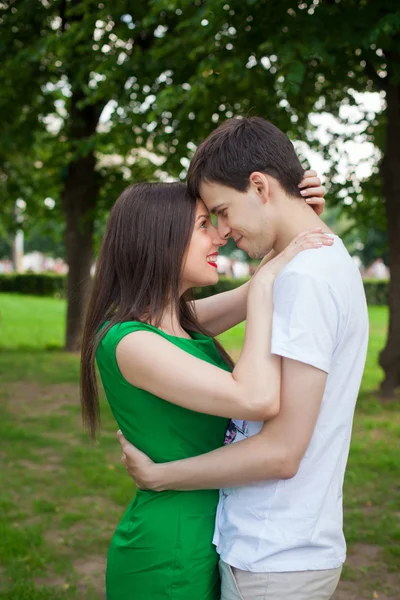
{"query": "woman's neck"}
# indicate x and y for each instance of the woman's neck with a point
(170, 323)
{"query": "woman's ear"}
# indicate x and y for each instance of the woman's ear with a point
(260, 185)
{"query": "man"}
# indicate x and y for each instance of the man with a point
(280, 538)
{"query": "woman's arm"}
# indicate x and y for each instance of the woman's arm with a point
(152, 363)
(274, 453)
(252, 390)
(223, 311)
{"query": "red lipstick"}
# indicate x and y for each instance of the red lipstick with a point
(213, 258)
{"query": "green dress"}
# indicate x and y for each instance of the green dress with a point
(162, 548)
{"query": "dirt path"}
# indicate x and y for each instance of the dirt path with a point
(366, 577)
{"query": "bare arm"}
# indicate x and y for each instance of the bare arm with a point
(274, 453)
(252, 390)
(223, 311)
(152, 363)
(306, 325)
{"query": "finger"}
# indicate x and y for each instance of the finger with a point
(306, 245)
(121, 438)
(303, 234)
(319, 235)
(310, 181)
(310, 173)
(313, 182)
(315, 200)
(311, 245)
(317, 204)
(326, 240)
(314, 240)
(123, 459)
(318, 190)
(317, 241)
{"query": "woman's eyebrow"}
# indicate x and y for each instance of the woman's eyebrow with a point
(203, 217)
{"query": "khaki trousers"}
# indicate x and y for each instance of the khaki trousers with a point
(296, 585)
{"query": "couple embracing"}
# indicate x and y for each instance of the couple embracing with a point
(259, 517)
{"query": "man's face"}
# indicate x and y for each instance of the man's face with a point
(240, 215)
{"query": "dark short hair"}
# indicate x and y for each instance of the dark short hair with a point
(240, 146)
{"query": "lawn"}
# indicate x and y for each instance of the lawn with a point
(61, 497)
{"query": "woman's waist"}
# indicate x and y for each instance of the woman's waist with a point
(194, 500)
(156, 518)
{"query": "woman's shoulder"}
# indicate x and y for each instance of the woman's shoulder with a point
(122, 328)
(119, 330)
(114, 334)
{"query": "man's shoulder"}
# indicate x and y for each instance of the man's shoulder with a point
(328, 273)
(321, 264)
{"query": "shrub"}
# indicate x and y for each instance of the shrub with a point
(377, 291)
(223, 285)
(46, 284)
(34, 284)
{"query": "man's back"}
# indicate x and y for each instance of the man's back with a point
(320, 319)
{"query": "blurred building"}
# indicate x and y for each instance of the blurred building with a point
(378, 270)
(240, 269)
(224, 265)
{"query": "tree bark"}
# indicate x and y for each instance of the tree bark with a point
(81, 189)
(390, 356)
(79, 199)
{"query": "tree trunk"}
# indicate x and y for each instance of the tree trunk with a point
(79, 198)
(390, 356)
(81, 188)
(79, 201)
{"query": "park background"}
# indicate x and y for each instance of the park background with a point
(97, 95)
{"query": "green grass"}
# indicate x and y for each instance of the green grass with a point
(61, 497)
(30, 322)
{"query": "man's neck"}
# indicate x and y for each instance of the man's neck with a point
(299, 219)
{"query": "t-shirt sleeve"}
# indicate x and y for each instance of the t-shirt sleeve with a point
(305, 321)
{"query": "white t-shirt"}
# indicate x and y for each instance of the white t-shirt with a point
(320, 318)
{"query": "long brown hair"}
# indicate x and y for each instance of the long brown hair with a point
(138, 273)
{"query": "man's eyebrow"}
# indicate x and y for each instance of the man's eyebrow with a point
(214, 210)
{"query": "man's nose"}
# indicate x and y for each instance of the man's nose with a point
(220, 241)
(224, 231)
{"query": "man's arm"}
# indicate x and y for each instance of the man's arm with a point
(274, 453)
(305, 328)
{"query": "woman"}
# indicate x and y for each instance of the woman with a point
(159, 243)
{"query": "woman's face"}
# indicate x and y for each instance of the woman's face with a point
(200, 267)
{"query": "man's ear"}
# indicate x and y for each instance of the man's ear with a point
(260, 185)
